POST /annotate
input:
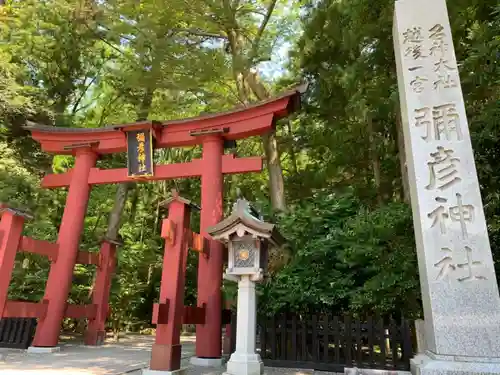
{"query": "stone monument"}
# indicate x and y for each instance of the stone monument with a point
(458, 281)
(248, 238)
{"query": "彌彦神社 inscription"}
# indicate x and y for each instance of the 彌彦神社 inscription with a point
(427, 51)
(461, 213)
(447, 266)
(443, 169)
(459, 290)
(440, 122)
(140, 153)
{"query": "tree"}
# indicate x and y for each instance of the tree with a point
(248, 32)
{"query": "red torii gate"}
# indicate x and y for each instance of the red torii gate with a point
(210, 131)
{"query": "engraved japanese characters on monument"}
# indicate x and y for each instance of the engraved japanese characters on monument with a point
(440, 122)
(455, 260)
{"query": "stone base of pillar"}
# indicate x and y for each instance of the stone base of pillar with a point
(181, 371)
(43, 349)
(433, 364)
(244, 364)
(206, 362)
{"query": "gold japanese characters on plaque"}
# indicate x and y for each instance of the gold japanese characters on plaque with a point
(140, 153)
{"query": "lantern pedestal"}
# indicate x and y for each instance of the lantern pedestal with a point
(244, 361)
(248, 238)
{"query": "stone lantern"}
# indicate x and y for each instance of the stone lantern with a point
(248, 239)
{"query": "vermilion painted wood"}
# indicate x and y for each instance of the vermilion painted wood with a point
(166, 351)
(61, 271)
(11, 226)
(21, 309)
(208, 336)
(194, 315)
(178, 135)
(87, 257)
(242, 123)
(96, 333)
(168, 231)
(46, 248)
(98, 176)
(50, 250)
(197, 242)
(80, 311)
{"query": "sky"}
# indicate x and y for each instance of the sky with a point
(276, 68)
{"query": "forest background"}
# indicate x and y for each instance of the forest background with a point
(335, 177)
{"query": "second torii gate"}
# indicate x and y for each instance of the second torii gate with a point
(210, 131)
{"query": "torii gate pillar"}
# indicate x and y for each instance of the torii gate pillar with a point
(208, 335)
(70, 231)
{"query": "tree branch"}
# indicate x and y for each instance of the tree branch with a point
(243, 10)
(262, 28)
(84, 91)
(201, 33)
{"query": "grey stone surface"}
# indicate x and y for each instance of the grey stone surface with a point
(420, 335)
(424, 365)
(457, 276)
(207, 362)
(43, 350)
(181, 371)
(457, 358)
(132, 353)
(130, 356)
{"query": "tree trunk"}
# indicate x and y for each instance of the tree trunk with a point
(271, 151)
(402, 157)
(276, 182)
(246, 79)
(375, 160)
(293, 157)
(116, 213)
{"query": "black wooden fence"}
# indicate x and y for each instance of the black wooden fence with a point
(17, 333)
(328, 343)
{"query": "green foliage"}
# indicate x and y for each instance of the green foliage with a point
(347, 258)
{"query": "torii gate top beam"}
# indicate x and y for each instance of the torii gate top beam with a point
(242, 122)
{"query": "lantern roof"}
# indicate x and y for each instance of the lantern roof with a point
(245, 219)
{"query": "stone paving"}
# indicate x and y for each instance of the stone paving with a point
(129, 356)
(132, 353)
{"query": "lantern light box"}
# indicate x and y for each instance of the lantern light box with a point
(248, 238)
